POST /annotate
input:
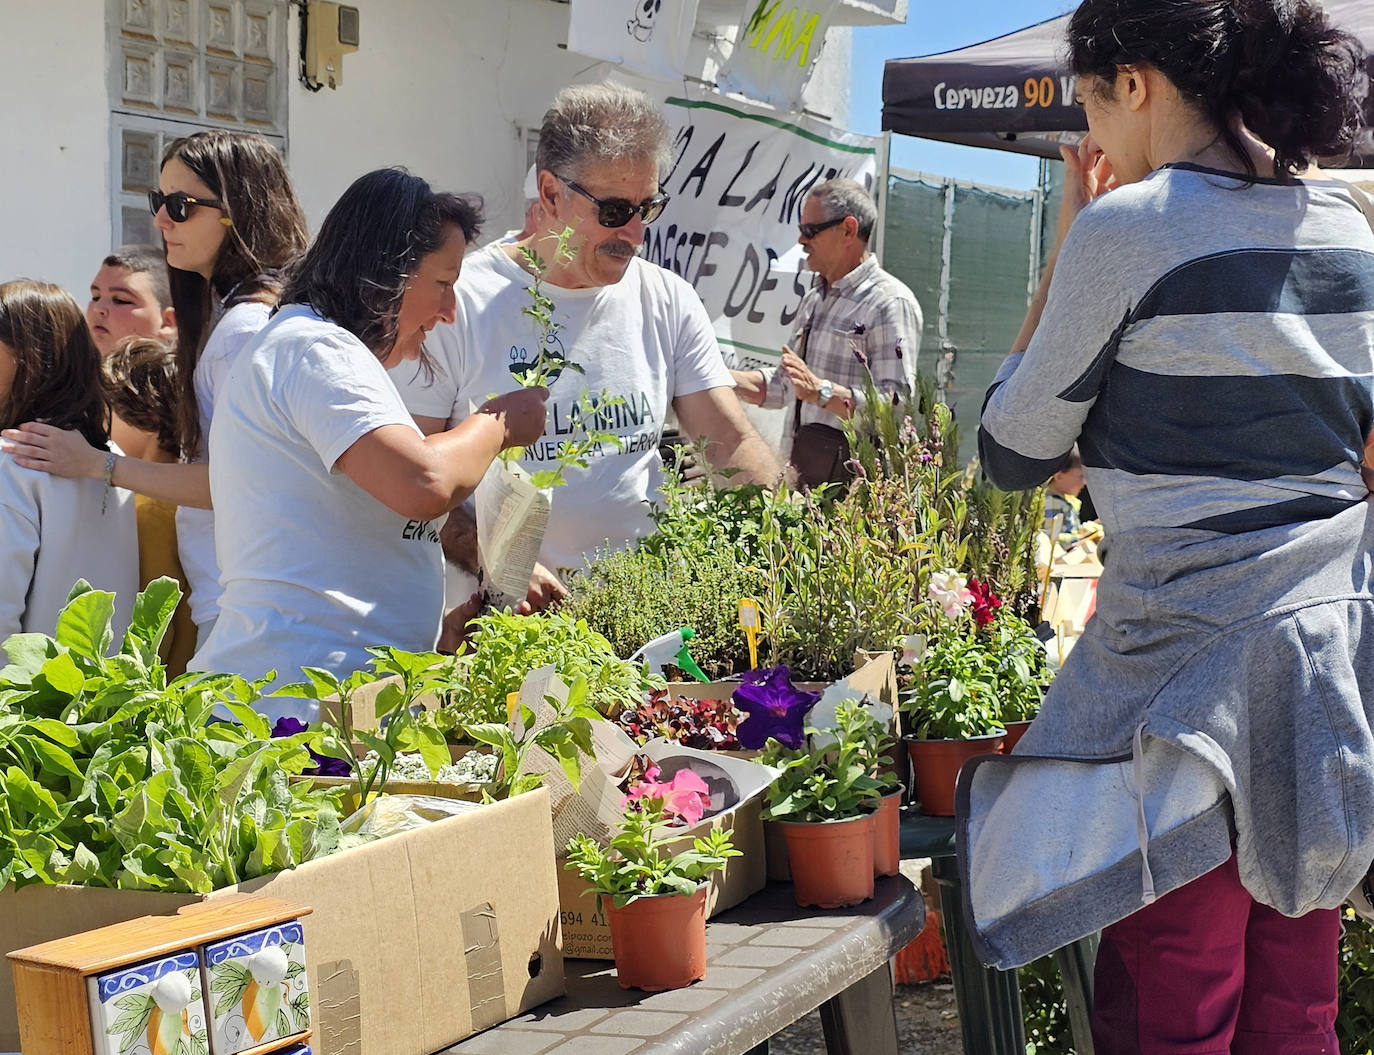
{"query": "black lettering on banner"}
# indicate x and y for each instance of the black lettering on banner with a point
(751, 261)
(681, 142)
(697, 240)
(677, 251)
(705, 269)
(766, 192)
(703, 168)
(728, 200)
(766, 286)
(789, 314)
(795, 194)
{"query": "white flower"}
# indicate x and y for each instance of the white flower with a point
(949, 590)
(913, 649)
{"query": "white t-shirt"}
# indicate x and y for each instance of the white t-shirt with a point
(52, 532)
(314, 568)
(646, 338)
(196, 527)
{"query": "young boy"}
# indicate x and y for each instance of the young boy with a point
(130, 297)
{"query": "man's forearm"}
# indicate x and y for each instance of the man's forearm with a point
(458, 537)
(752, 457)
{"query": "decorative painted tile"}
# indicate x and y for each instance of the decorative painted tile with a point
(152, 1009)
(256, 988)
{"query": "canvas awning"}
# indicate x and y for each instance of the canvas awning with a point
(1013, 92)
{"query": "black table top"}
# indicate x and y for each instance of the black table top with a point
(768, 964)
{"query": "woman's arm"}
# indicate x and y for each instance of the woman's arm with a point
(36, 445)
(422, 478)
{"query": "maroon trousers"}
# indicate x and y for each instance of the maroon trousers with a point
(1207, 970)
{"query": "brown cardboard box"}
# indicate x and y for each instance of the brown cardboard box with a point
(586, 935)
(416, 941)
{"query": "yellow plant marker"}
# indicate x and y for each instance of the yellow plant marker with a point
(512, 702)
(751, 622)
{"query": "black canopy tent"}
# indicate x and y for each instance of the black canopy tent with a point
(1013, 92)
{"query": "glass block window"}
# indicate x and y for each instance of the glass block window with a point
(179, 66)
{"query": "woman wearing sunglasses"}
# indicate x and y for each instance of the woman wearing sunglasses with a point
(231, 226)
(334, 545)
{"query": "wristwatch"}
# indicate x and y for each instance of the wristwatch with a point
(825, 392)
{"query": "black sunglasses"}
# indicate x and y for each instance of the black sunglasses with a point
(617, 212)
(179, 204)
(810, 230)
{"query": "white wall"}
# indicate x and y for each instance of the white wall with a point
(55, 127)
(440, 86)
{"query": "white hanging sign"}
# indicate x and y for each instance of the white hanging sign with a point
(647, 37)
(778, 44)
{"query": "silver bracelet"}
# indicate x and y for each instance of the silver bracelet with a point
(110, 460)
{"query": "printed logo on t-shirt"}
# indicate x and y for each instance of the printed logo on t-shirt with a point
(420, 531)
(521, 362)
(629, 415)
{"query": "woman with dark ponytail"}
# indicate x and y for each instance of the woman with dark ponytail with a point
(1200, 782)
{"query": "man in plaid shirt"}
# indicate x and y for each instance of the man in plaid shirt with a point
(857, 322)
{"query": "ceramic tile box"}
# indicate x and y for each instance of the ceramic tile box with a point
(151, 1009)
(256, 988)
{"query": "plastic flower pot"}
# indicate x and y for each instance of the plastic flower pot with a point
(887, 835)
(1015, 730)
(659, 940)
(831, 861)
(936, 763)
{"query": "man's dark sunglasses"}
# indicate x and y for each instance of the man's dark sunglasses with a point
(179, 204)
(810, 230)
(617, 212)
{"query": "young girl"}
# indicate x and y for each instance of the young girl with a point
(334, 544)
(139, 379)
(231, 226)
(55, 531)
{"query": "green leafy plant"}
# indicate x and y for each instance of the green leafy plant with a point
(637, 862)
(503, 647)
(829, 779)
(112, 776)
(1355, 1017)
(416, 674)
(565, 734)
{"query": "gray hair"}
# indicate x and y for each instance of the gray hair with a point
(593, 123)
(844, 197)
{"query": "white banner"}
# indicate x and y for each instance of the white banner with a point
(648, 37)
(738, 180)
(778, 45)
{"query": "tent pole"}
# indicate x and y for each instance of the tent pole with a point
(1037, 234)
(946, 268)
(880, 194)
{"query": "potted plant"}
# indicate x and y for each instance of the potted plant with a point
(655, 900)
(958, 687)
(826, 801)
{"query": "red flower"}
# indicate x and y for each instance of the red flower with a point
(985, 603)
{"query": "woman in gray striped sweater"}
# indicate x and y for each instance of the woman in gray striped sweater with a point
(1201, 780)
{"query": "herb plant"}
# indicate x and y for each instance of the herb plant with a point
(701, 724)
(502, 648)
(416, 674)
(566, 735)
(112, 776)
(829, 780)
(637, 863)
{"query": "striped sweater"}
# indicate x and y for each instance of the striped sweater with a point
(1209, 346)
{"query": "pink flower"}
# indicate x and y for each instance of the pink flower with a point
(949, 590)
(685, 797)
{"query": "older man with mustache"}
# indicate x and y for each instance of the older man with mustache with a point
(638, 331)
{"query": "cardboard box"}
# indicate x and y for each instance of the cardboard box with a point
(874, 672)
(416, 941)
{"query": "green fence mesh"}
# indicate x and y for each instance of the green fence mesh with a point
(989, 268)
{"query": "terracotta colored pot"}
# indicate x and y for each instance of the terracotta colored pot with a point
(936, 763)
(775, 853)
(659, 940)
(887, 835)
(1015, 730)
(831, 861)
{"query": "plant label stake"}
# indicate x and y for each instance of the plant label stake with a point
(751, 621)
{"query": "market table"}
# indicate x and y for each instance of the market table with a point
(768, 964)
(989, 1000)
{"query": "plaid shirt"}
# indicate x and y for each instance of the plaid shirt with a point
(867, 322)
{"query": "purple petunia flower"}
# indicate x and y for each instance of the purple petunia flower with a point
(324, 765)
(773, 707)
